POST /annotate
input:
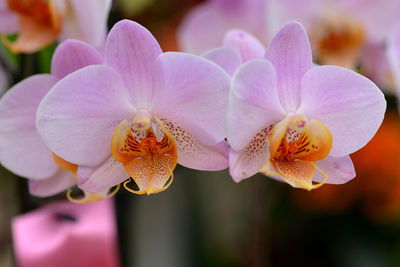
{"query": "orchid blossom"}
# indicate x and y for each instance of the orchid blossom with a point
(63, 234)
(137, 115)
(291, 119)
(40, 22)
(21, 149)
(205, 26)
(343, 32)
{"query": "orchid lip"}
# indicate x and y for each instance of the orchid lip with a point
(295, 145)
(148, 153)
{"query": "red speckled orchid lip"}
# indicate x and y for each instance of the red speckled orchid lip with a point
(149, 156)
(295, 145)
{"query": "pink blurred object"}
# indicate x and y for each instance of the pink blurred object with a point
(67, 234)
(204, 27)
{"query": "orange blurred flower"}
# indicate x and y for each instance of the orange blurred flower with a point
(40, 22)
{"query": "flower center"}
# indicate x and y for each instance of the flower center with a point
(148, 152)
(295, 145)
(337, 40)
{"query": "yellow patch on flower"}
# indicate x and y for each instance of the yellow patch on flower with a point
(65, 165)
(295, 145)
(150, 158)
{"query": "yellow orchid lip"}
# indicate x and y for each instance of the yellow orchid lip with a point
(295, 145)
(148, 157)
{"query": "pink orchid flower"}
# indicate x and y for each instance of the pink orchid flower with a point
(64, 234)
(205, 26)
(342, 32)
(289, 118)
(394, 57)
(237, 48)
(40, 22)
(155, 109)
(22, 150)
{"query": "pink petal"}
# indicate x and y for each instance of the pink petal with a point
(66, 234)
(79, 115)
(251, 159)
(394, 59)
(379, 17)
(3, 5)
(131, 49)
(348, 104)
(102, 177)
(192, 92)
(374, 64)
(8, 19)
(202, 29)
(253, 102)
(290, 53)
(248, 46)
(73, 55)
(86, 21)
(21, 148)
(340, 170)
(225, 57)
(193, 154)
(59, 182)
(205, 26)
(8, 22)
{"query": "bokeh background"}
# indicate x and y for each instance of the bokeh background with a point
(205, 219)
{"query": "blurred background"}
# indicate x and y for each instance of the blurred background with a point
(205, 219)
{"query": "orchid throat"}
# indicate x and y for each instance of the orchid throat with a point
(148, 152)
(295, 146)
